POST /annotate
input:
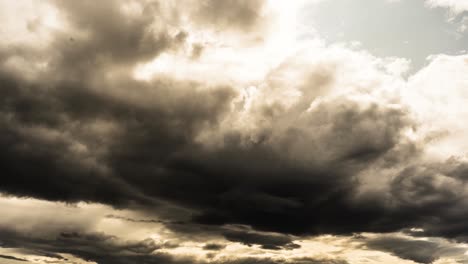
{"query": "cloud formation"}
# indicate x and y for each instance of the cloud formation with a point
(455, 6)
(212, 123)
(420, 251)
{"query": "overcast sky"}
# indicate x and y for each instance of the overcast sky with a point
(233, 131)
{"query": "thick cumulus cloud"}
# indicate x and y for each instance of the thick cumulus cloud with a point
(329, 140)
(52, 124)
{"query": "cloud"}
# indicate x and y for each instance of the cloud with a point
(214, 247)
(104, 248)
(420, 251)
(320, 139)
(294, 261)
(12, 258)
(41, 125)
(455, 6)
(267, 241)
(96, 134)
(96, 247)
(228, 14)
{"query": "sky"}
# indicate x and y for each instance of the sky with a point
(233, 131)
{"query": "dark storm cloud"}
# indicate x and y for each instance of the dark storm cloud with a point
(287, 191)
(299, 179)
(78, 134)
(421, 251)
(111, 33)
(53, 171)
(64, 104)
(149, 221)
(12, 258)
(266, 241)
(146, 246)
(433, 197)
(154, 221)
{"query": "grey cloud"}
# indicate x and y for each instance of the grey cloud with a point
(213, 247)
(112, 35)
(425, 187)
(97, 247)
(53, 150)
(302, 166)
(421, 251)
(433, 195)
(12, 258)
(69, 109)
(149, 221)
(243, 14)
(282, 261)
(105, 249)
(305, 169)
(267, 241)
